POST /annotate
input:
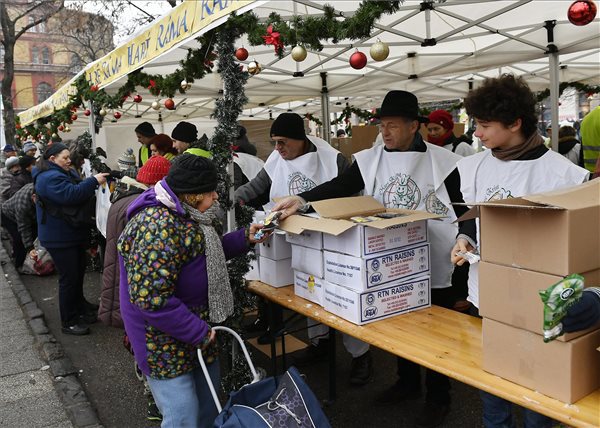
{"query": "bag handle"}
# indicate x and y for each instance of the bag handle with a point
(255, 375)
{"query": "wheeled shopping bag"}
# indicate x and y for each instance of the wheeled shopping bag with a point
(283, 401)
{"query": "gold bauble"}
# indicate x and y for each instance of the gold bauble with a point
(254, 68)
(54, 135)
(155, 105)
(185, 85)
(67, 129)
(102, 112)
(379, 51)
(299, 53)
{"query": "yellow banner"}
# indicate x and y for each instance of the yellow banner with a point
(183, 22)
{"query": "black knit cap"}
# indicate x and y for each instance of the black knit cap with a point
(289, 125)
(185, 131)
(192, 174)
(25, 161)
(146, 129)
(54, 149)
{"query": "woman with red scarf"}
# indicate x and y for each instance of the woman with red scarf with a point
(440, 129)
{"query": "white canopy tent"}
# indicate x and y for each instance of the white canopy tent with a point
(438, 50)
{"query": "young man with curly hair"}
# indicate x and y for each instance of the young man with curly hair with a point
(517, 163)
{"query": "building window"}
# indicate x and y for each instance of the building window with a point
(45, 55)
(31, 21)
(75, 62)
(35, 55)
(44, 91)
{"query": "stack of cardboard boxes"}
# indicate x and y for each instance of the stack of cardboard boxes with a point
(527, 245)
(362, 272)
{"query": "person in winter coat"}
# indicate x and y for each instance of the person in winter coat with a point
(8, 176)
(154, 170)
(441, 133)
(174, 265)
(65, 206)
(18, 218)
(569, 146)
(144, 133)
(22, 177)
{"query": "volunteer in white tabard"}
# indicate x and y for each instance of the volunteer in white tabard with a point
(246, 165)
(517, 163)
(299, 163)
(406, 172)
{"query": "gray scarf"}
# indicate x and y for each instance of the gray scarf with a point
(220, 296)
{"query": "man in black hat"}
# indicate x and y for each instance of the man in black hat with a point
(185, 140)
(406, 172)
(144, 132)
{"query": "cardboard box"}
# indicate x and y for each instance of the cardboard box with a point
(309, 287)
(307, 260)
(566, 371)
(362, 240)
(276, 273)
(276, 247)
(510, 295)
(362, 308)
(555, 232)
(332, 217)
(362, 274)
(308, 238)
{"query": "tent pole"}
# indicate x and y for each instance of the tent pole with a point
(325, 108)
(91, 121)
(553, 66)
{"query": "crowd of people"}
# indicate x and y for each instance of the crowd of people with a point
(165, 277)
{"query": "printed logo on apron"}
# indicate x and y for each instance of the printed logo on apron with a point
(497, 193)
(434, 205)
(298, 183)
(401, 191)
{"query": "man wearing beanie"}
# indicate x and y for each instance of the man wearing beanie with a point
(299, 163)
(185, 140)
(29, 149)
(23, 176)
(441, 133)
(144, 133)
(406, 172)
(8, 175)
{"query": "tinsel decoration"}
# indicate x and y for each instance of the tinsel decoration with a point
(227, 110)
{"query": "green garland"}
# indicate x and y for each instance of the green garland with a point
(580, 87)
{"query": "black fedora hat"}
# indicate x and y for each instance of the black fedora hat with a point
(401, 103)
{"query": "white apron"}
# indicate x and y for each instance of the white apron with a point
(484, 178)
(290, 177)
(415, 181)
(250, 165)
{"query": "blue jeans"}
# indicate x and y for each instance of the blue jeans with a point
(185, 401)
(497, 413)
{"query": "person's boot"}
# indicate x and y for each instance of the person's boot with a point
(398, 392)
(361, 370)
(311, 354)
(76, 328)
(432, 415)
(152, 413)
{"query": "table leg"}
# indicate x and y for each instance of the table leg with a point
(332, 367)
(272, 327)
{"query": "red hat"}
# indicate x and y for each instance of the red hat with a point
(442, 118)
(155, 169)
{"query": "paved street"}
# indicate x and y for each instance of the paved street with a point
(105, 371)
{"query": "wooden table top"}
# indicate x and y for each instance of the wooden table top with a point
(446, 341)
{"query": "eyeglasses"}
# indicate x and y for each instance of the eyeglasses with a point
(282, 143)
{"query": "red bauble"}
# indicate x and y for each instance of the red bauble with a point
(137, 98)
(117, 115)
(358, 60)
(94, 88)
(61, 128)
(87, 112)
(73, 116)
(582, 12)
(169, 104)
(241, 54)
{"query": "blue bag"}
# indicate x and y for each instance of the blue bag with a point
(283, 402)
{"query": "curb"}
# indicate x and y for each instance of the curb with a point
(66, 380)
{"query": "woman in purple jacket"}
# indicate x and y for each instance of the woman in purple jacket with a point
(174, 264)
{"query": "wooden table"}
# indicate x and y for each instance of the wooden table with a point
(446, 341)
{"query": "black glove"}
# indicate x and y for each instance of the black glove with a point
(584, 313)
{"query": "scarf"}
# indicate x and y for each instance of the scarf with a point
(439, 141)
(517, 152)
(220, 296)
